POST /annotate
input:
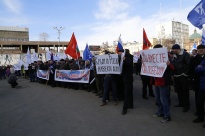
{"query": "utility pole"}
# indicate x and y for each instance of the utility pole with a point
(59, 34)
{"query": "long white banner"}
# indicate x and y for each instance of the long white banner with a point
(107, 64)
(79, 76)
(43, 74)
(154, 62)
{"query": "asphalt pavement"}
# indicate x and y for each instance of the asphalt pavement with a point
(33, 109)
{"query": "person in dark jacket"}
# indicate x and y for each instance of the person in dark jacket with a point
(74, 66)
(119, 79)
(181, 64)
(52, 68)
(200, 69)
(162, 91)
(32, 69)
(194, 77)
(127, 74)
(12, 78)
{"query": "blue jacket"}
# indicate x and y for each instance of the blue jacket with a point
(200, 70)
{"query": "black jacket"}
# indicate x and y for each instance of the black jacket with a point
(194, 62)
(181, 63)
(127, 69)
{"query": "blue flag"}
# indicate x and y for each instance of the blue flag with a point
(87, 55)
(194, 46)
(203, 37)
(197, 15)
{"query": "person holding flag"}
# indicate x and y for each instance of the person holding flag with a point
(87, 56)
(120, 85)
(146, 79)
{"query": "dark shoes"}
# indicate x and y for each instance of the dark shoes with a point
(158, 115)
(103, 104)
(198, 120)
(145, 97)
(100, 96)
(124, 112)
(166, 119)
(204, 126)
(152, 95)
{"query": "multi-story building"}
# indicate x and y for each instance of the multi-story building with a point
(10, 33)
(174, 30)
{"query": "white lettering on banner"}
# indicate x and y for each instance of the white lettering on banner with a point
(107, 64)
(199, 9)
(154, 62)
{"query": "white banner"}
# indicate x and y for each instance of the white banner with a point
(43, 74)
(78, 76)
(107, 64)
(154, 62)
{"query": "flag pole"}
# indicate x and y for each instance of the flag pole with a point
(182, 44)
(160, 23)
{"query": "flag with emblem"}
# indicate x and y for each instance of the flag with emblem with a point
(72, 48)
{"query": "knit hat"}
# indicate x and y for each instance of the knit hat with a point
(176, 46)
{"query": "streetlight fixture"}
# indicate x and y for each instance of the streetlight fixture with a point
(59, 34)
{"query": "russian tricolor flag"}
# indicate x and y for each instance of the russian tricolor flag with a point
(119, 44)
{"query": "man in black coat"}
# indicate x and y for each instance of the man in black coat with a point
(181, 64)
(127, 72)
(194, 62)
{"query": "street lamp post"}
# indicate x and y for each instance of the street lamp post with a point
(59, 34)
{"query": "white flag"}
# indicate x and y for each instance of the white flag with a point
(28, 57)
(48, 55)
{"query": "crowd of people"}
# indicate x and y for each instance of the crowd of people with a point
(182, 70)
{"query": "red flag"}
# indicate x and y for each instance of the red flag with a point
(72, 48)
(146, 42)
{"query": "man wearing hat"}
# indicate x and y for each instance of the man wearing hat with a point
(181, 63)
(196, 78)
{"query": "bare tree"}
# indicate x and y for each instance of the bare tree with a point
(43, 36)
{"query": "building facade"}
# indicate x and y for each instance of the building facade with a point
(174, 30)
(133, 47)
(10, 33)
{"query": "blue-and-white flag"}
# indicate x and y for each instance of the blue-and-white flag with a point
(203, 37)
(28, 56)
(87, 55)
(48, 55)
(197, 15)
(194, 46)
(34, 57)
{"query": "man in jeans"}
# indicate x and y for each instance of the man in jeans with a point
(181, 64)
(162, 91)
